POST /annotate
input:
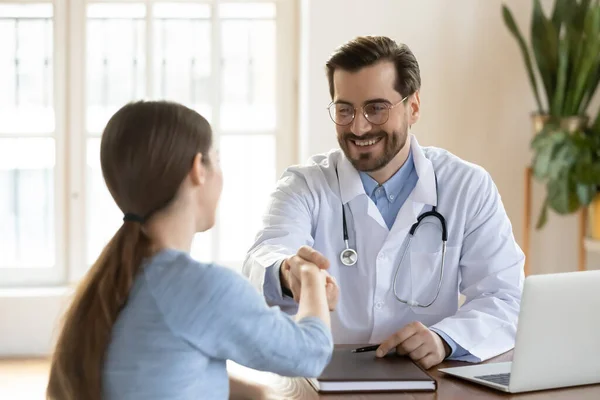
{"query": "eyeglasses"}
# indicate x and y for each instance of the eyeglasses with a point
(376, 113)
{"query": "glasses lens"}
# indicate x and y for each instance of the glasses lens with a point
(341, 114)
(377, 113)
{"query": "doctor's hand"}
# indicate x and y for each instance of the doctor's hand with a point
(290, 274)
(422, 345)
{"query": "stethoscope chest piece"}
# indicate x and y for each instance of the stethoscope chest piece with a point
(348, 257)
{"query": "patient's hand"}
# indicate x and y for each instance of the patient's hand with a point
(291, 277)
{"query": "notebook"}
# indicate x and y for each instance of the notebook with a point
(364, 372)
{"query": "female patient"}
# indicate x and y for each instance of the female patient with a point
(149, 322)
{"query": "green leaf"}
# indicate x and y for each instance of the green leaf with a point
(541, 140)
(587, 67)
(563, 12)
(592, 86)
(564, 158)
(510, 23)
(562, 196)
(577, 42)
(543, 217)
(595, 129)
(561, 83)
(585, 193)
(580, 13)
(544, 39)
(542, 159)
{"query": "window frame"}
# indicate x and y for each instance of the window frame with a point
(49, 276)
(285, 99)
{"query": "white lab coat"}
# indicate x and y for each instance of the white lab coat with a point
(483, 261)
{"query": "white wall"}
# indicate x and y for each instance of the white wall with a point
(475, 94)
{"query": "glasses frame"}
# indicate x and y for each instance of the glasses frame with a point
(388, 106)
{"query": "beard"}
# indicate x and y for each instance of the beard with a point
(369, 161)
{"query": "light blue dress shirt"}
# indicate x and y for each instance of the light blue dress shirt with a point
(389, 198)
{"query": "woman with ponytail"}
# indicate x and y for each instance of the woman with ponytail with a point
(148, 321)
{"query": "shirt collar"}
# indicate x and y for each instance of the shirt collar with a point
(425, 191)
(392, 186)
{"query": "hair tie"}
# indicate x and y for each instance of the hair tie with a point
(133, 218)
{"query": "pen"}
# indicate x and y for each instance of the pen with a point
(366, 348)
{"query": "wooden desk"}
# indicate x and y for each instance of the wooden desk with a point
(448, 388)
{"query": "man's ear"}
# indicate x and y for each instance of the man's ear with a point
(198, 171)
(414, 108)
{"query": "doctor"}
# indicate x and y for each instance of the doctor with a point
(399, 283)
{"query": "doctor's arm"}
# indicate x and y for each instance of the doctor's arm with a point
(491, 273)
(287, 225)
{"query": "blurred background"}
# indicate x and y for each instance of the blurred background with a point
(255, 69)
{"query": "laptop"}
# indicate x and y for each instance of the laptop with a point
(558, 337)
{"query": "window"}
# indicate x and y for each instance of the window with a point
(31, 139)
(229, 60)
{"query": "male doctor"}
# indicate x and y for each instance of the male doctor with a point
(402, 291)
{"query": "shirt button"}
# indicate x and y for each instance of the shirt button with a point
(379, 305)
(381, 257)
(391, 197)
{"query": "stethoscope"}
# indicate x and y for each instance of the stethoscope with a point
(349, 256)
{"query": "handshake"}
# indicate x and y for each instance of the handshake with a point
(306, 265)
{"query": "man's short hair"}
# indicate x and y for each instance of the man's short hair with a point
(364, 51)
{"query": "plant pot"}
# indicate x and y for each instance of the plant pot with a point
(570, 124)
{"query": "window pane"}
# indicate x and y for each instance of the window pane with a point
(249, 75)
(247, 10)
(103, 216)
(26, 68)
(116, 67)
(182, 51)
(248, 164)
(27, 203)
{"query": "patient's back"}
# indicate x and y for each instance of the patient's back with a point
(184, 319)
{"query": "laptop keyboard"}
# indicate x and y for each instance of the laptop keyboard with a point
(500, 379)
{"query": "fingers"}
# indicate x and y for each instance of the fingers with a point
(295, 285)
(333, 294)
(428, 361)
(410, 344)
(420, 352)
(313, 256)
(398, 338)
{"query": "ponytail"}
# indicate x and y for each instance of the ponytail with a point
(78, 360)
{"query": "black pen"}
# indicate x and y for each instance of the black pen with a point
(366, 348)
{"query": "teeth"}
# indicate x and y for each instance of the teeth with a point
(366, 142)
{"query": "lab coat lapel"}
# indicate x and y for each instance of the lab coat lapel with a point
(351, 187)
(423, 195)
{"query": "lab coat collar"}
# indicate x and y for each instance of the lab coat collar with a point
(351, 185)
(425, 190)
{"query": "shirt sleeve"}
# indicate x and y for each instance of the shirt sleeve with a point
(218, 312)
(273, 292)
(287, 225)
(456, 351)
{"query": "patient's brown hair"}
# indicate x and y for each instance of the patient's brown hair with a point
(147, 151)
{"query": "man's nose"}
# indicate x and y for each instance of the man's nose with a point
(360, 125)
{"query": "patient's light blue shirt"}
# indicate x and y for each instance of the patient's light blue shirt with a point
(184, 319)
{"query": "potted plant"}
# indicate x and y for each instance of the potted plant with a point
(565, 53)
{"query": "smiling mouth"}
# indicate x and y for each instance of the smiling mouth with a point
(366, 143)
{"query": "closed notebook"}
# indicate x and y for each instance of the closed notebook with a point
(363, 372)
